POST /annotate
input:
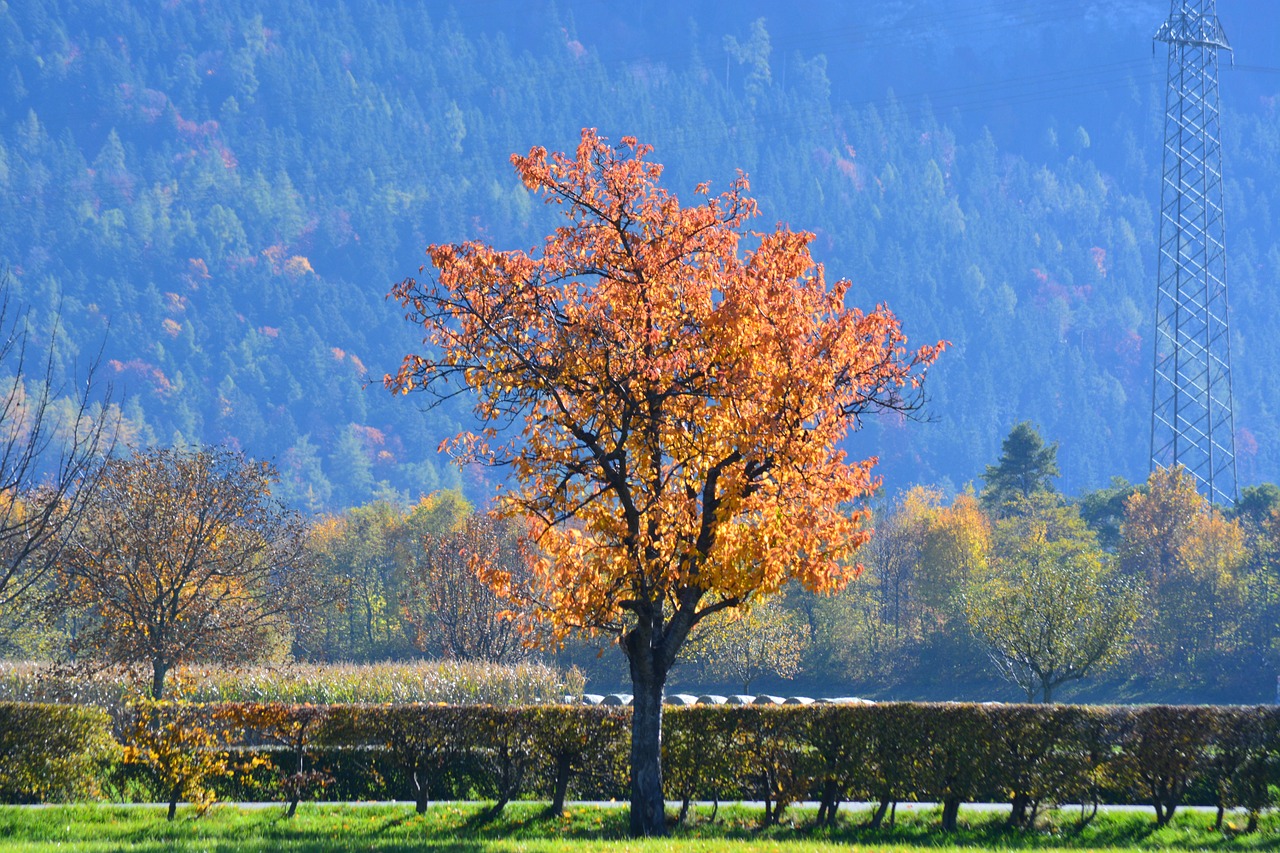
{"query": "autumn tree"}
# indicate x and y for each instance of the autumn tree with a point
(185, 557)
(453, 612)
(1192, 559)
(923, 551)
(679, 398)
(1050, 608)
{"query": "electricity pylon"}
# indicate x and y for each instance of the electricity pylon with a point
(1191, 419)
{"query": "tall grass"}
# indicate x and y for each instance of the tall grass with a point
(453, 682)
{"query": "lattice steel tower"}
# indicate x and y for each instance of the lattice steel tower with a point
(1191, 421)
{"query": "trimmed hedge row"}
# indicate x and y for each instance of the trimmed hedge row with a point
(52, 753)
(1027, 755)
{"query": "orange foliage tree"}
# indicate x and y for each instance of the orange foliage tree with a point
(681, 400)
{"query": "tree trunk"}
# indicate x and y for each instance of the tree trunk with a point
(1018, 811)
(509, 783)
(159, 669)
(648, 814)
(950, 811)
(877, 816)
(421, 790)
(174, 796)
(564, 767)
(830, 803)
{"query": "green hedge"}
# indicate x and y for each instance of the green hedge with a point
(952, 753)
(53, 753)
(434, 751)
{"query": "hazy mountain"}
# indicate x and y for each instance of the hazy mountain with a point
(222, 193)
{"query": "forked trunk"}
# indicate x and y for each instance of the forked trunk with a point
(830, 803)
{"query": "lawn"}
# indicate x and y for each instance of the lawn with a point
(521, 827)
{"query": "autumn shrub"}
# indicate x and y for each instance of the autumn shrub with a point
(421, 741)
(52, 753)
(293, 729)
(583, 746)
(1166, 749)
(185, 747)
(843, 748)
(1245, 763)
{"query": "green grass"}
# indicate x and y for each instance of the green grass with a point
(447, 826)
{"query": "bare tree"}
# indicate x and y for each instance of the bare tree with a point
(452, 610)
(51, 435)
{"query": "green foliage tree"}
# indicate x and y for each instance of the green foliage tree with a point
(369, 553)
(1049, 607)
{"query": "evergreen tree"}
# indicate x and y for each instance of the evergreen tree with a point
(1026, 467)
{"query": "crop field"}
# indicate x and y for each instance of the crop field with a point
(453, 682)
(451, 826)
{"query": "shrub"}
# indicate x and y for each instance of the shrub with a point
(1166, 748)
(185, 747)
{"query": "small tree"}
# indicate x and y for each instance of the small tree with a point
(1049, 608)
(185, 557)
(765, 641)
(184, 746)
(682, 407)
(452, 610)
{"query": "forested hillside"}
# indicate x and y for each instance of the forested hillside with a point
(220, 195)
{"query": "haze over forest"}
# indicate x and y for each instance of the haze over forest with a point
(220, 195)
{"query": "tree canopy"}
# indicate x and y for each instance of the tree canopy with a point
(184, 557)
(680, 394)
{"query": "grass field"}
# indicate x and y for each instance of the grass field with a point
(521, 827)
